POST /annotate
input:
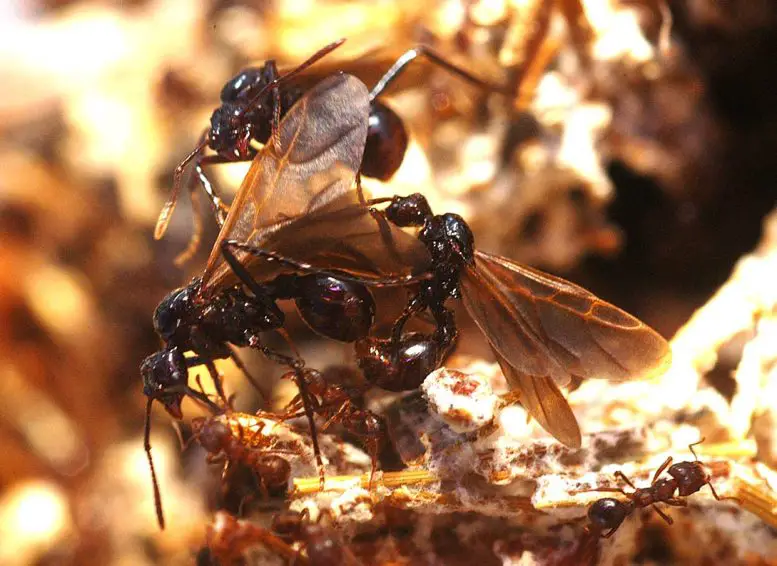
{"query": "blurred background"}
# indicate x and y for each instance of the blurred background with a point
(635, 157)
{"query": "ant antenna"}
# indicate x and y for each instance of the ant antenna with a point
(690, 447)
(147, 446)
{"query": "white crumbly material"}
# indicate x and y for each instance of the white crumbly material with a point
(464, 401)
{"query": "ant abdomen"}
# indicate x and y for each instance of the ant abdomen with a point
(400, 367)
(607, 514)
(386, 143)
(336, 309)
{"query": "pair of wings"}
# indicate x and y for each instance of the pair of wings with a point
(297, 200)
(545, 330)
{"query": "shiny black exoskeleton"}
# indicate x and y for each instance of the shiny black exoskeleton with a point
(686, 478)
(336, 309)
(403, 362)
(234, 317)
(207, 330)
(254, 99)
(246, 112)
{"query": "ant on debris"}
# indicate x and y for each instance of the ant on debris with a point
(217, 312)
(542, 329)
(257, 97)
(228, 538)
(226, 447)
(336, 403)
(686, 478)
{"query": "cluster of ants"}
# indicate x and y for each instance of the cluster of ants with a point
(301, 228)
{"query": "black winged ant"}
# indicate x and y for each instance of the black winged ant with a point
(298, 198)
(686, 478)
(255, 99)
(542, 329)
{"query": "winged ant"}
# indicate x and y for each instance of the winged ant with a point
(542, 329)
(229, 447)
(296, 199)
(685, 478)
(257, 97)
(228, 538)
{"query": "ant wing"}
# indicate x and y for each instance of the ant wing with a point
(347, 237)
(343, 238)
(544, 402)
(544, 327)
(311, 162)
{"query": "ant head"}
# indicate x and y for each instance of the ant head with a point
(412, 210)
(460, 236)
(211, 434)
(247, 80)
(607, 513)
(690, 476)
(164, 378)
(230, 131)
(174, 311)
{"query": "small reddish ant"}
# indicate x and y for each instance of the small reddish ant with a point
(335, 404)
(223, 446)
(607, 514)
(228, 538)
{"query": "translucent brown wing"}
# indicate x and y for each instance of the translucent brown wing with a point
(544, 402)
(545, 328)
(343, 236)
(321, 145)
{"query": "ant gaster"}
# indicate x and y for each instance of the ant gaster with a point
(686, 478)
(257, 97)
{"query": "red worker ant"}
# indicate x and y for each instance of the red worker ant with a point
(686, 478)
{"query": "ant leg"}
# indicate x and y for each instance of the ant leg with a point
(241, 366)
(432, 56)
(160, 517)
(167, 210)
(214, 375)
(196, 237)
(337, 416)
(220, 208)
(228, 245)
(661, 468)
(306, 403)
(622, 476)
(690, 447)
(676, 502)
(414, 306)
(663, 515)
